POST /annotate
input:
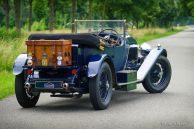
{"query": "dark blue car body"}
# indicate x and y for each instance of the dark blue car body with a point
(100, 62)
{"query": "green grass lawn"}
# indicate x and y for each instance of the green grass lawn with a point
(144, 35)
(149, 37)
(6, 84)
(12, 44)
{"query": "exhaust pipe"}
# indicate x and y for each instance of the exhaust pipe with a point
(27, 86)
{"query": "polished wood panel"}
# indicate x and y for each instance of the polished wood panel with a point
(52, 49)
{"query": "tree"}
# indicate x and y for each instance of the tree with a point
(167, 14)
(51, 14)
(90, 8)
(190, 6)
(30, 15)
(7, 9)
(40, 9)
(62, 13)
(17, 7)
(150, 10)
(73, 13)
(104, 9)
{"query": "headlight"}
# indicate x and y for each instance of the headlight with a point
(145, 47)
(29, 63)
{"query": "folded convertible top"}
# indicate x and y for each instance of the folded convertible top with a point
(85, 39)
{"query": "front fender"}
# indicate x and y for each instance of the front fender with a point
(19, 63)
(94, 64)
(149, 62)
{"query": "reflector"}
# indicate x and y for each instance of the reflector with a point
(29, 71)
(73, 71)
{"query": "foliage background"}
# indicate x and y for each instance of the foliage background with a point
(146, 20)
(59, 14)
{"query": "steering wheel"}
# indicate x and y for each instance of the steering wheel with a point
(107, 37)
(111, 31)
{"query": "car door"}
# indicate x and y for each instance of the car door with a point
(120, 55)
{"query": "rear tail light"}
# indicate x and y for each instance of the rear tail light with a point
(29, 71)
(73, 71)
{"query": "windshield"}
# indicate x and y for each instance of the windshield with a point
(95, 26)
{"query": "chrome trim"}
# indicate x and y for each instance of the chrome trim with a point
(19, 63)
(148, 63)
(127, 83)
(146, 47)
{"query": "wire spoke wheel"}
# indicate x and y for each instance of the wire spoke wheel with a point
(159, 76)
(100, 88)
(104, 86)
(25, 97)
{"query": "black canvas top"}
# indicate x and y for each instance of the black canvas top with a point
(86, 39)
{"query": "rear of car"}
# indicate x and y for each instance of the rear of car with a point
(51, 64)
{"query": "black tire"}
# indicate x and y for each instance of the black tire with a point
(100, 88)
(21, 94)
(159, 76)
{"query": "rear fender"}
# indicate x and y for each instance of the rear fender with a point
(148, 63)
(94, 64)
(19, 63)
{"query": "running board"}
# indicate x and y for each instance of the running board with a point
(127, 83)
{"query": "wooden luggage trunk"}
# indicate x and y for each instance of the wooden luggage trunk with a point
(50, 52)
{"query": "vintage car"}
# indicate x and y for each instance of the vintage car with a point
(96, 59)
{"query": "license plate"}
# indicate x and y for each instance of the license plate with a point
(49, 84)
